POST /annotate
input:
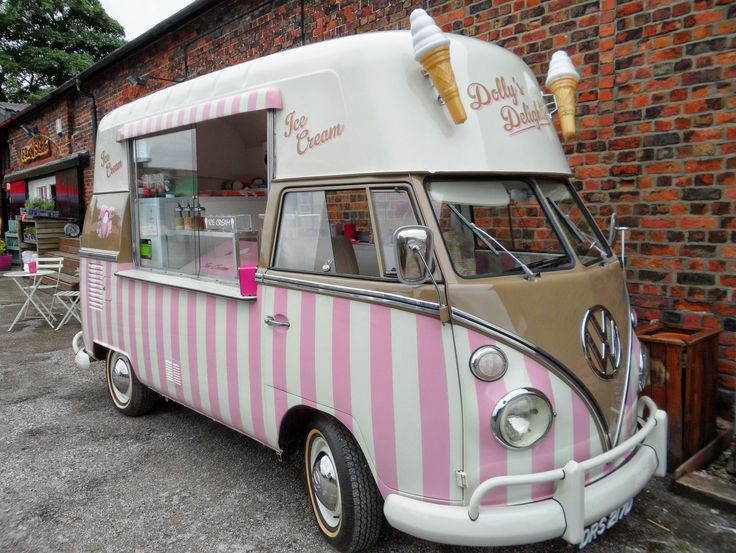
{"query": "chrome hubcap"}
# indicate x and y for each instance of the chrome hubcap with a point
(324, 482)
(120, 380)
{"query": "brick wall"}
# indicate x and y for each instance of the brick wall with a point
(656, 117)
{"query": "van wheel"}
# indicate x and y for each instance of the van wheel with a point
(344, 496)
(129, 396)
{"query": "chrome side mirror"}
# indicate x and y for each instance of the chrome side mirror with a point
(612, 230)
(413, 246)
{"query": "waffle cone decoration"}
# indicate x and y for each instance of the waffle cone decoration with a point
(562, 80)
(432, 50)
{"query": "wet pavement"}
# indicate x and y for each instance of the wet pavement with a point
(76, 476)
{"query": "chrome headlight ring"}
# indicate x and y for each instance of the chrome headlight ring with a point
(522, 418)
(645, 364)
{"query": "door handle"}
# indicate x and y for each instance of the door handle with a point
(270, 321)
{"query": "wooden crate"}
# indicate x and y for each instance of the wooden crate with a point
(683, 383)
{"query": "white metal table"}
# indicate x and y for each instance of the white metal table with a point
(29, 292)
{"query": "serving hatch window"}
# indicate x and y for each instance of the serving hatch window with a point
(200, 197)
(495, 227)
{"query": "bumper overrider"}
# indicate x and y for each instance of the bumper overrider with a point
(573, 506)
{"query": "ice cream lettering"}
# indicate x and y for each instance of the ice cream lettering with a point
(296, 125)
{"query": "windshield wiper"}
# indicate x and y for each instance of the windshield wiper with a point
(577, 231)
(489, 241)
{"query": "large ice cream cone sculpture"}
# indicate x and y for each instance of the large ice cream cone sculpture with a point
(562, 80)
(432, 50)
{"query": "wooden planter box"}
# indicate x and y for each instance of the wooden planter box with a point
(683, 383)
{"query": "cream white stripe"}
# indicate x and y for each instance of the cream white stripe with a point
(454, 403)
(293, 347)
(221, 371)
(470, 406)
(152, 340)
(269, 400)
(407, 410)
(564, 422)
(246, 411)
(360, 373)
(201, 318)
(518, 462)
(186, 369)
(323, 352)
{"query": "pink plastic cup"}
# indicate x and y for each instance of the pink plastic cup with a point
(32, 267)
(248, 285)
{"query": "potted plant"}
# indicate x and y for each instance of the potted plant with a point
(6, 259)
(32, 206)
(46, 208)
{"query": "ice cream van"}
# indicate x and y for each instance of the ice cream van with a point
(368, 252)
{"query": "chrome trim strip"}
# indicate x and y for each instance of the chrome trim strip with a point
(350, 292)
(552, 363)
(627, 386)
(102, 255)
(182, 283)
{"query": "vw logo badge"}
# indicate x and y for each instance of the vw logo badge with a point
(601, 342)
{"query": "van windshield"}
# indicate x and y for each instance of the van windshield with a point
(495, 227)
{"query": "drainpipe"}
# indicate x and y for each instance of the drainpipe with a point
(94, 110)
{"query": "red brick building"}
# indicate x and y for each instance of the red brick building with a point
(656, 117)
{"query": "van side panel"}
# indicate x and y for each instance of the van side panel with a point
(388, 374)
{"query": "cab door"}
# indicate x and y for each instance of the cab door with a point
(341, 334)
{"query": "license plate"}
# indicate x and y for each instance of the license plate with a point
(599, 527)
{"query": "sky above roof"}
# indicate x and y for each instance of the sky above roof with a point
(137, 16)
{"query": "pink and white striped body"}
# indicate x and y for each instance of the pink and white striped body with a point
(392, 376)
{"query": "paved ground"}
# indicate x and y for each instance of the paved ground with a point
(75, 476)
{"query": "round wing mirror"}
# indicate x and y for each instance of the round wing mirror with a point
(413, 245)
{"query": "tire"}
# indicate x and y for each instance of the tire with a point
(343, 494)
(128, 395)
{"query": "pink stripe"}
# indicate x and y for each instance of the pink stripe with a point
(132, 319)
(206, 111)
(169, 120)
(273, 99)
(180, 117)
(543, 454)
(493, 459)
(107, 303)
(341, 356)
(220, 112)
(192, 333)
(211, 331)
(175, 336)
(231, 358)
(279, 352)
(192, 115)
(146, 331)
(434, 408)
(382, 396)
(157, 123)
(253, 101)
(307, 347)
(254, 368)
(236, 104)
(160, 351)
(120, 305)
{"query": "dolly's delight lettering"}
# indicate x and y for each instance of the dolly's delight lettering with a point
(297, 126)
(517, 114)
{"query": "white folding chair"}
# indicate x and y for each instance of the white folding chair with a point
(50, 284)
(70, 300)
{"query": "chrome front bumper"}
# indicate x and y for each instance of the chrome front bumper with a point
(565, 515)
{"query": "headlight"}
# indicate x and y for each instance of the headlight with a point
(522, 418)
(488, 363)
(645, 364)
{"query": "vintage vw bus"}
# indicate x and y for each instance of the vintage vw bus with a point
(310, 249)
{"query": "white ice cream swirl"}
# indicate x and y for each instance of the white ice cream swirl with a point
(561, 66)
(425, 33)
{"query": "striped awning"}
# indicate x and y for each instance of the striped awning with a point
(252, 100)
